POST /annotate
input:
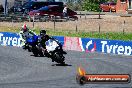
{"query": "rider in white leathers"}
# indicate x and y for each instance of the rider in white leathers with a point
(25, 33)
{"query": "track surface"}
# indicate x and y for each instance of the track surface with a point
(20, 70)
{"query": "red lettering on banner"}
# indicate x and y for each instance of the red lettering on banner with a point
(94, 47)
(72, 43)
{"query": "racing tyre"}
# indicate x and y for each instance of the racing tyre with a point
(58, 57)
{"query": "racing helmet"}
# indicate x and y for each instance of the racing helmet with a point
(42, 32)
(24, 27)
(45, 37)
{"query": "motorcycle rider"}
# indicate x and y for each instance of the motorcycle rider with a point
(24, 34)
(43, 37)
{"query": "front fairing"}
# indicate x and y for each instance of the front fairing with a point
(51, 45)
(32, 40)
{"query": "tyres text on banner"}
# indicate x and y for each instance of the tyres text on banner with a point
(10, 39)
(107, 46)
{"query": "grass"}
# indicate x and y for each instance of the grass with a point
(110, 35)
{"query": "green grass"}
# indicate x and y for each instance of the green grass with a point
(110, 35)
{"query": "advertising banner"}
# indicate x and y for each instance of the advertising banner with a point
(72, 43)
(77, 44)
(10, 39)
(107, 46)
(13, 39)
(60, 39)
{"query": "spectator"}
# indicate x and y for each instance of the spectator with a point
(65, 11)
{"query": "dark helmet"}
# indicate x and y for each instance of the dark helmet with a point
(42, 32)
(47, 37)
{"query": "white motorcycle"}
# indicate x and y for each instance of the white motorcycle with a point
(54, 49)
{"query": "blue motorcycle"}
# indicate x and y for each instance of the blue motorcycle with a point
(31, 45)
(31, 42)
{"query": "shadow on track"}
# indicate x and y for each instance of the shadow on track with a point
(38, 56)
(61, 65)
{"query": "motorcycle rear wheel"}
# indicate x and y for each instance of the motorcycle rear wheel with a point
(59, 58)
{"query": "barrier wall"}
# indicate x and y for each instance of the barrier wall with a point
(13, 39)
(10, 39)
(77, 44)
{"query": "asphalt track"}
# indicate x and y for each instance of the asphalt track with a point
(19, 69)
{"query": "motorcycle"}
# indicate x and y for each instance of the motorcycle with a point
(55, 51)
(28, 40)
(32, 45)
(31, 42)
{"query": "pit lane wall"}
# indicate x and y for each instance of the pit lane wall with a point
(77, 44)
